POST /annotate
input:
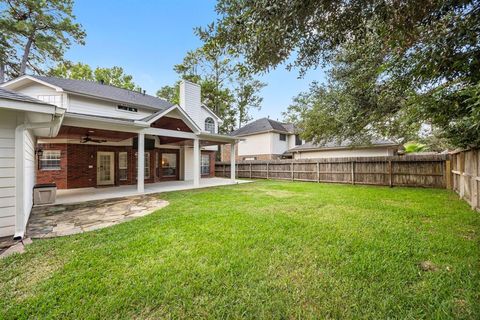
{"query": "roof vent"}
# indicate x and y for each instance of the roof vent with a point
(102, 81)
(144, 91)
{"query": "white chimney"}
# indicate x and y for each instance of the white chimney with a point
(190, 100)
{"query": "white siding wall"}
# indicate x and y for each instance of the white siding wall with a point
(190, 101)
(364, 152)
(40, 91)
(29, 174)
(278, 146)
(8, 121)
(90, 106)
(255, 144)
(206, 114)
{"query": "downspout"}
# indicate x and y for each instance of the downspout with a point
(54, 126)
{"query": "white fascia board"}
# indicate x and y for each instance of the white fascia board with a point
(343, 148)
(27, 77)
(218, 138)
(92, 122)
(191, 124)
(212, 113)
(170, 133)
(29, 106)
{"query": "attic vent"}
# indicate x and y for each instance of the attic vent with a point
(125, 108)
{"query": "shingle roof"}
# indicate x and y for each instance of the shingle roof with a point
(263, 125)
(104, 91)
(11, 95)
(341, 144)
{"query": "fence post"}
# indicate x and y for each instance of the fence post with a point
(462, 175)
(390, 174)
(474, 192)
(318, 171)
(448, 174)
(267, 168)
(250, 170)
(293, 171)
(352, 165)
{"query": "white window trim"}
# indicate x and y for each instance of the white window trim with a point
(120, 166)
(40, 160)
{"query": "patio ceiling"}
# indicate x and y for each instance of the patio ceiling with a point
(70, 132)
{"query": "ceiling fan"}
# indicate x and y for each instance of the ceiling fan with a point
(88, 139)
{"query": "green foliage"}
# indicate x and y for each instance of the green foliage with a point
(393, 67)
(114, 76)
(262, 250)
(226, 88)
(411, 147)
(35, 33)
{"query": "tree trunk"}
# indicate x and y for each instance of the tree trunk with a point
(2, 72)
(26, 53)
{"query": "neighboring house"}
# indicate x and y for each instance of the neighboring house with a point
(263, 139)
(101, 135)
(376, 148)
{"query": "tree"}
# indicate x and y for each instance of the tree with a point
(39, 31)
(247, 97)
(169, 93)
(114, 76)
(420, 59)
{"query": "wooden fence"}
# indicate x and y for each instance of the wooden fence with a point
(416, 171)
(466, 175)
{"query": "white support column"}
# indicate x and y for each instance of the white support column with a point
(196, 163)
(141, 163)
(19, 182)
(232, 162)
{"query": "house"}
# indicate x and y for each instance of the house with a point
(263, 139)
(376, 148)
(85, 134)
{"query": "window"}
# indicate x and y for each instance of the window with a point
(147, 165)
(129, 109)
(283, 137)
(205, 164)
(169, 164)
(50, 160)
(123, 166)
(298, 141)
(209, 125)
(55, 100)
(249, 158)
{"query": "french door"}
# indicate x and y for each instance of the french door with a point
(169, 164)
(105, 168)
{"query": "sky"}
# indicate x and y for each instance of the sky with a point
(147, 38)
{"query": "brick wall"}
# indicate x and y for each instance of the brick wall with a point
(57, 176)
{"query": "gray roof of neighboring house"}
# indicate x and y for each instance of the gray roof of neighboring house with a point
(263, 125)
(98, 90)
(342, 144)
(11, 95)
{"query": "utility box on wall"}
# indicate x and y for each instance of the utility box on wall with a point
(44, 193)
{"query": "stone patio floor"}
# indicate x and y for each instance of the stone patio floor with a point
(61, 220)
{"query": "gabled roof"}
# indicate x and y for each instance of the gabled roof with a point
(104, 91)
(309, 146)
(12, 95)
(264, 125)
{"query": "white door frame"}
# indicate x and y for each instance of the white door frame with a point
(112, 168)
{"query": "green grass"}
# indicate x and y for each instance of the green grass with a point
(262, 250)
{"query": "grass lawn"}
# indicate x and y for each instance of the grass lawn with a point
(262, 250)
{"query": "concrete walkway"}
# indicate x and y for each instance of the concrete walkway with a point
(67, 219)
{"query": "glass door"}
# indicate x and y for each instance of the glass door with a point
(169, 165)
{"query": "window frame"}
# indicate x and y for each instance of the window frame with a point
(203, 165)
(209, 124)
(41, 160)
(298, 140)
(120, 167)
(282, 137)
(124, 108)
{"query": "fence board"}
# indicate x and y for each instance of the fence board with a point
(466, 176)
(418, 171)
